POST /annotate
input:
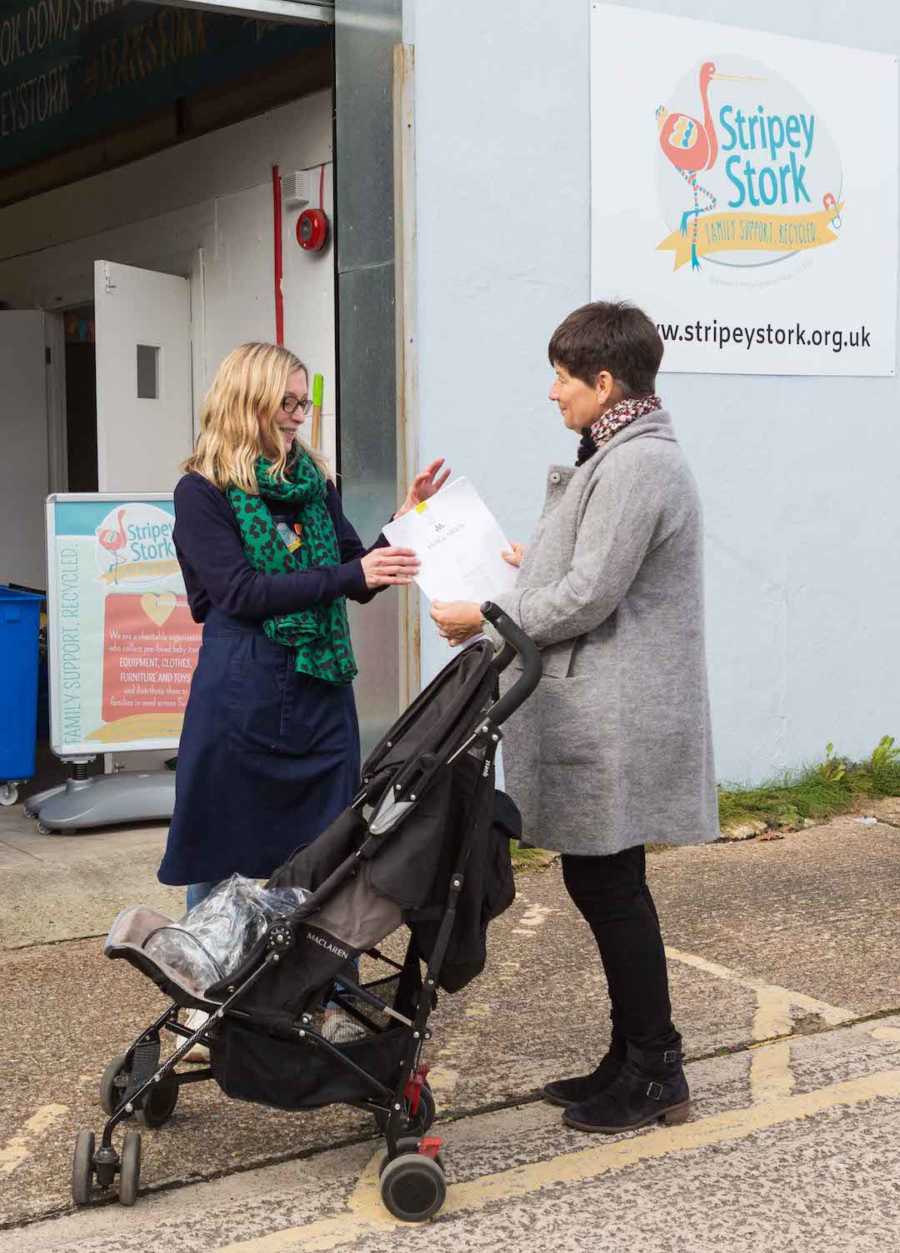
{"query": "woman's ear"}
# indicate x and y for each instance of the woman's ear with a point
(604, 387)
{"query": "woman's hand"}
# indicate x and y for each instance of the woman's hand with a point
(424, 486)
(515, 556)
(457, 620)
(384, 566)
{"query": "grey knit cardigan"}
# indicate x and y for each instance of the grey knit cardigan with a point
(614, 748)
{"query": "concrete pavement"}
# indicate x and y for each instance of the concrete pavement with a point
(786, 988)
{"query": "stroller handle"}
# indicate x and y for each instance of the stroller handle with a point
(516, 643)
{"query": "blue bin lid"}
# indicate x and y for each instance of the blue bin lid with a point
(13, 594)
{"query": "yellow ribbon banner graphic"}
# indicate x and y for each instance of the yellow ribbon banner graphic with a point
(753, 232)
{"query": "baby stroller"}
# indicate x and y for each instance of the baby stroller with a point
(425, 843)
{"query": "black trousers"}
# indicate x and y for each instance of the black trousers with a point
(612, 895)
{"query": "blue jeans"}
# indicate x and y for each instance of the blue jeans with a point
(198, 892)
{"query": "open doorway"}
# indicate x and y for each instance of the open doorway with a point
(81, 399)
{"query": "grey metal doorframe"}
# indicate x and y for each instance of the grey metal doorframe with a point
(366, 34)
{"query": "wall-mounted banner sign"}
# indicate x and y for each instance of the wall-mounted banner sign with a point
(123, 645)
(744, 192)
(74, 69)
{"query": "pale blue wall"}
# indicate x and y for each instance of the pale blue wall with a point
(798, 475)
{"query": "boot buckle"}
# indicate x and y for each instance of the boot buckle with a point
(670, 1057)
(655, 1091)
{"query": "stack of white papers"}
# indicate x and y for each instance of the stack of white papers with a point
(458, 541)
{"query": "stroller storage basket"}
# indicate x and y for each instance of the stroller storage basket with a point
(249, 1065)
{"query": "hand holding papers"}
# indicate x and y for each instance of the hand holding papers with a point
(458, 542)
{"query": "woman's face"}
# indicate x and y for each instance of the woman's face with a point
(289, 419)
(579, 404)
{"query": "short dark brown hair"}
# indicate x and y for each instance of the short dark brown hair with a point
(613, 336)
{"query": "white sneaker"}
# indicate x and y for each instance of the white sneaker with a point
(340, 1028)
(199, 1053)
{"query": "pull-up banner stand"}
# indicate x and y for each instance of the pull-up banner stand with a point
(122, 650)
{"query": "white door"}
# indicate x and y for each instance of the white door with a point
(143, 333)
(24, 463)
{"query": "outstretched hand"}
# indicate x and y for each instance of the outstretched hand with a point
(424, 486)
(383, 567)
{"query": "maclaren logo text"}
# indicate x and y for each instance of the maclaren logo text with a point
(328, 945)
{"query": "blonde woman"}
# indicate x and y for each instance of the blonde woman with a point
(269, 754)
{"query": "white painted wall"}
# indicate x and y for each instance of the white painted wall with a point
(203, 210)
(798, 475)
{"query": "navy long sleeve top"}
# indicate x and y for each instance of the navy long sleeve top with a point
(217, 573)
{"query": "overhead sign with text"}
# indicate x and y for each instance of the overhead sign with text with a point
(744, 193)
(123, 645)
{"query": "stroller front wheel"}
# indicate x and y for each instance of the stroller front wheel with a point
(413, 1187)
(130, 1168)
(83, 1167)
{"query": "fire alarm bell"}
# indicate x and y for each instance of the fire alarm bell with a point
(312, 229)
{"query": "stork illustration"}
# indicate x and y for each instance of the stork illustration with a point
(112, 540)
(692, 147)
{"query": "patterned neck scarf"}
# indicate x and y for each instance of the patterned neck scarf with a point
(320, 635)
(613, 421)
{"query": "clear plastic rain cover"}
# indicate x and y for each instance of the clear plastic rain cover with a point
(214, 937)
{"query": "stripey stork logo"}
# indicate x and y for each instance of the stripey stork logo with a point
(136, 550)
(751, 179)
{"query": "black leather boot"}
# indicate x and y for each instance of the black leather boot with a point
(580, 1087)
(650, 1087)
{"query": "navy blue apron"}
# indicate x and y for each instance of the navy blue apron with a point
(267, 759)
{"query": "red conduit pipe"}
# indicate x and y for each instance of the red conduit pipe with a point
(279, 255)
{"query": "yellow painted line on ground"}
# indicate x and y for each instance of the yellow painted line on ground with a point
(832, 1014)
(366, 1216)
(771, 1077)
(16, 1150)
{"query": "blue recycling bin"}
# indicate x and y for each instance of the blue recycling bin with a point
(19, 632)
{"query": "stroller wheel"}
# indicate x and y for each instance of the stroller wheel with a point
(130, 1168)
(160, 1101)
(83, 1167)
(407, 1144)
(416, 1124)
(113, 1083)
(413, 1187)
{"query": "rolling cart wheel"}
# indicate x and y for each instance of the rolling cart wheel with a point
(130, 1168)
(9, 793)
(111, 1092)
(160, 1102)
(413, 1187)
(83, 1167)
(407, 1144)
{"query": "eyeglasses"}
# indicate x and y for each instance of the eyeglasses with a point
(290, 404)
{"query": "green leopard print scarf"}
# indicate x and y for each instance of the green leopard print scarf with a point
(320, 635)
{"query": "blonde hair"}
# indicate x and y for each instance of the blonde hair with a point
(237, 421)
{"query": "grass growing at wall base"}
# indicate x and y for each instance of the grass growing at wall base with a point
(834, 786)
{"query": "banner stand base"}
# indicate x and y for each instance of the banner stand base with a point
(107, 800)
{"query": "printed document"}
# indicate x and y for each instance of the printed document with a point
(458, 541)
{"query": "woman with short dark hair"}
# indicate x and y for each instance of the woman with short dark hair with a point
(614, 751)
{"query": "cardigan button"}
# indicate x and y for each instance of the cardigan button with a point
(555, 477)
